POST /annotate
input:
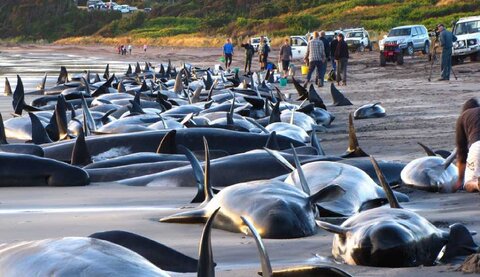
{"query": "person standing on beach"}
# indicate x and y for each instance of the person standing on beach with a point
(323, 70)
(341, 56)
(130, 49)
(145, 48)
(315, 56)
(249, 51)
(333, 47)
(228, 53)
(467, 135)
(263, 50)
(285, 56)
(446, 41)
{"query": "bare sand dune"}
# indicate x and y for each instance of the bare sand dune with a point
(417, 110)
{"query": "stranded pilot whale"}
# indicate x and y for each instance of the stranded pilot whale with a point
(431, 173)
(395, 237)
(279, 211)
(111, 254)
(369, 111)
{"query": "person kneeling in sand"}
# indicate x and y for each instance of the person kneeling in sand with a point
(468, 146)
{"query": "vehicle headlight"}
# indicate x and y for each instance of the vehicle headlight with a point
(461, 44)
(455, 44)
(400, 41)
(471, 42)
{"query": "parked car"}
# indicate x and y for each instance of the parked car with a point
(256, 41)
(467, 31)
(299, 46)
(123, 8)
(358, 39)
(409, 39)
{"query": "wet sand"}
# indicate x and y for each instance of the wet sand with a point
(417, 110)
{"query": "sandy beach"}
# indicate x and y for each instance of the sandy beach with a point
(417, 111)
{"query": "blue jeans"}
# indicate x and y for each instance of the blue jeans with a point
(312, 66)
(446, 63)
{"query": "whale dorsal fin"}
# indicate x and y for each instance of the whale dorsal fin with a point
(332, 228)
(80, 154)
(89, 121)
(302, 92)
(129, 70)
(280, 94)
(450, 159)
(275, 114)
(315, 142)
(262, 251)
(338, 98)
(231, 111)
(3, 137)
(204, 192)
(61, 117)
(63, 76)
(427, 149)
(314, 97)
(301, 175)
(206, 266)
(210, 92)
(87, 86)
(272, 142)
(39, 135)
(280, 159)
(354, 149)
(18, 97)
(106, 74)
(8, 88)
(41, 86)
(167, 145)
(392, 199)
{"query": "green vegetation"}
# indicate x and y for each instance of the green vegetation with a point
(48, 19)
(53, 19)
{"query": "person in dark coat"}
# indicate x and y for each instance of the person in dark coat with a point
(446, 41)
(341, 56)
(333, 47)
(249, 51)
(285, 56)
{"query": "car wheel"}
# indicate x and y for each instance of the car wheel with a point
(399, 58)
(474, 57)
(426, 48)
(383, 61)
(410, 50)
(361, 48)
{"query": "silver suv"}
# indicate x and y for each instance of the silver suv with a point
(409, 39)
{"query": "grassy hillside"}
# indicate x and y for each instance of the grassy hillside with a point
(48, 19)
(196, 22)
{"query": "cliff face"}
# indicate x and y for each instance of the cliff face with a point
(48, 19)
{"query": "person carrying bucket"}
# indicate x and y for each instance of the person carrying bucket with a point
(315, 56)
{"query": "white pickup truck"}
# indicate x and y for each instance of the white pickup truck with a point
(299, 46)
(467, 31)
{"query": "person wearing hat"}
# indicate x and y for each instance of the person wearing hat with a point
(446, 39)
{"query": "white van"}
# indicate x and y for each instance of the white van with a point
(467, 31)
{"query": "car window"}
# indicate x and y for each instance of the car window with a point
(400, 32)
(469, 27)
(354, 35)
(419, 30)
(414, 31)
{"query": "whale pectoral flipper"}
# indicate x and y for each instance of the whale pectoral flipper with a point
(309, 271)
(373, 203)
(264, 260)
(460, 243)
(328, 193)
(427, 150)
(194, 216)
(336, 229)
